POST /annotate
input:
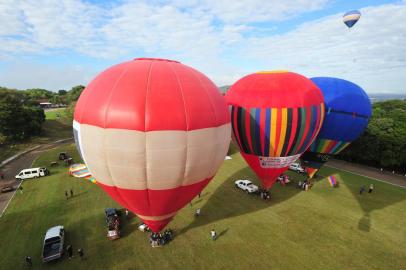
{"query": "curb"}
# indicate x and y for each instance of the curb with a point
(27, 151)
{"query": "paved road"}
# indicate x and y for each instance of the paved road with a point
(14, 167)
(385, 176)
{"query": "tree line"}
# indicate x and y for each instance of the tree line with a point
(383, 144)
(21, 117)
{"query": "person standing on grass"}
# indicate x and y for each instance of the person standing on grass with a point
(81, 253)
(371, 188)
(21, 189)
(361, 190)
(213, 234)
(69, 250)
(71, 193)
(28, 260)
(66, 195)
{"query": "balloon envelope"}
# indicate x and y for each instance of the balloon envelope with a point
(348, 110)
(350, 18)
(153, 132)
(275, 117)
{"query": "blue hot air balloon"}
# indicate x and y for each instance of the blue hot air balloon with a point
(350, 18)
(348, 110)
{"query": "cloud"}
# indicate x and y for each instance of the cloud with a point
(224, 39)
(24, 76)
(371, 53)
(244, 11)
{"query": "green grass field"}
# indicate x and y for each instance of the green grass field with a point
(54, 128)
(324, 228)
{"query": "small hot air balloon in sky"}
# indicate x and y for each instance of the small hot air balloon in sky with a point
(153, 132)
(350, 18)
(348, 110)
(275, 116)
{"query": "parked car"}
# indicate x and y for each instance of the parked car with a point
(113, 223)
(7, 189)
(53, 244)
(32, 173)
(296, 167)
(246, 185)
(63, 156)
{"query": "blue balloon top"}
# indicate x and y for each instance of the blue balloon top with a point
(348, 109)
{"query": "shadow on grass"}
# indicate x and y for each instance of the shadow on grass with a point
(382, 196)
(227, 201)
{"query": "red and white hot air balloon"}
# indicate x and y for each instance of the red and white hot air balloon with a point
(153, 132)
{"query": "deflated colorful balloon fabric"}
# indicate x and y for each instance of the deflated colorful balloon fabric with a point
(81, 171)
(155, 135)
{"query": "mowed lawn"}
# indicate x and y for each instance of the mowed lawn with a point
(324, 228)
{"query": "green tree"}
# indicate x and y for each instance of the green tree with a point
(20, 116)
(383, 143)
(74, 94)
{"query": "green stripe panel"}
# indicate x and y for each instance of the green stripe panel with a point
(252, 130)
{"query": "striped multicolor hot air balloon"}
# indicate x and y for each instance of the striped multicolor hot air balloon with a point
(153, 133)
(348, 110)
(275, 117)
(350, 18)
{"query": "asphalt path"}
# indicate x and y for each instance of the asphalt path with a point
(11, 169)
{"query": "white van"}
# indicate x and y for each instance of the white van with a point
(32, 173)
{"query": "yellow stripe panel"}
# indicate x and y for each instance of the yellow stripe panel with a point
(283, 131)
(352, 17)
(274, 112)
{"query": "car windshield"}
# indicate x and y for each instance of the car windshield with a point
(53, 239)
(249, 184)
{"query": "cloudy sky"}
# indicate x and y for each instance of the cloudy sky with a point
(58, 44)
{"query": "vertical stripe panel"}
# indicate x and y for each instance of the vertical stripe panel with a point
(258, 131)
(252, 130)
(278, 130)
(311, 118)
(295, 130)
(305, 130)
(262, 129)
(241, 129)
(247, 121)
(267, 131)
(288, 132)
(282, 131)
(273, 132)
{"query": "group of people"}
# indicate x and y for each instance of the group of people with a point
(362, 189)
(305, 185)
(160, 239)
(283, 180)
(264, 194)
(69, 250)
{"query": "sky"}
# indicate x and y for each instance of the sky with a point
(59, 44)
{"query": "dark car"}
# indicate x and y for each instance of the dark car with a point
(113, 223)
(7, 189)
(63, 156)
(53, 244)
